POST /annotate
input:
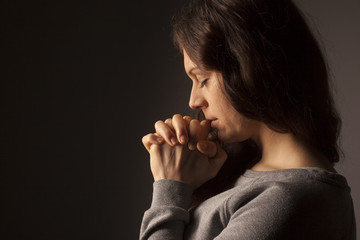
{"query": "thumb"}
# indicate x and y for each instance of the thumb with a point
(208, 148)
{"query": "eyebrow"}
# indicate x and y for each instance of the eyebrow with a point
(193, 69)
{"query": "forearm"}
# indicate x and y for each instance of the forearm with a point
(168, 215)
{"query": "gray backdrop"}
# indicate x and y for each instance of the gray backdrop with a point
(337, 24)
(83, 81)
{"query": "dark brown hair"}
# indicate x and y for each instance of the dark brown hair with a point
(272, 66)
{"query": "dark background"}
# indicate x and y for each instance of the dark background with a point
(83, 81)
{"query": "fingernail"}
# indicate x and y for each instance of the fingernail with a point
(183, 139)
(173, 140)
(159, 139)
(191, 146)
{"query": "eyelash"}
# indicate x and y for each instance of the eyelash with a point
(202, 84)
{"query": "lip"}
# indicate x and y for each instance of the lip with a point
(213, 123)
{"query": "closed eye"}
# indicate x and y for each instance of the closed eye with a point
(203, 83)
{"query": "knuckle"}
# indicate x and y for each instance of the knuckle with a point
(145, 138)
(169, 122)
(204, 123)
(177, 116)
(195, 122)
(154, 148)
(187, 120)
(158, 123)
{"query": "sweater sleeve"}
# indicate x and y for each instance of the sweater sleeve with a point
(168, 214)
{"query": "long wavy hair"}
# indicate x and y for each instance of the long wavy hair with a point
(273, 71)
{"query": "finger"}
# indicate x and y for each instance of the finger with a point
(151, 139)
(198, 131)
(205, 129)
(187, 120)
(208, 148)
(194, 131)
(166, 132)
(180, 128)
(168, 122)
(218, 160)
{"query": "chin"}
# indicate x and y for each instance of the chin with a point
(224, 137)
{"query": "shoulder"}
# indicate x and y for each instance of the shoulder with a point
(292, 189)
(295, 179)
(288, 204)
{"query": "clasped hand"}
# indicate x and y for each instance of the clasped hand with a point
(181, 150)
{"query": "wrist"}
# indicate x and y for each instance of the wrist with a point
(171, 193)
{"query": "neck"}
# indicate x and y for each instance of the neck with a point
(284, 150)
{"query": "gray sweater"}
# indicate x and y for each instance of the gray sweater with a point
(303, 203)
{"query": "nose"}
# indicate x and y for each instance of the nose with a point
(197, 100)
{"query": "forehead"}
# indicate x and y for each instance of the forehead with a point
(188, 63)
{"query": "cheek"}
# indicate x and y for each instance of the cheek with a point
(237, 128)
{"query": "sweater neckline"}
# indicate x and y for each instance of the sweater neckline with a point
(315, 173)
(254, 173)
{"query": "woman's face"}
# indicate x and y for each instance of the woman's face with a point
(208, 94)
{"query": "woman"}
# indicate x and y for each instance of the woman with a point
(261, 165)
